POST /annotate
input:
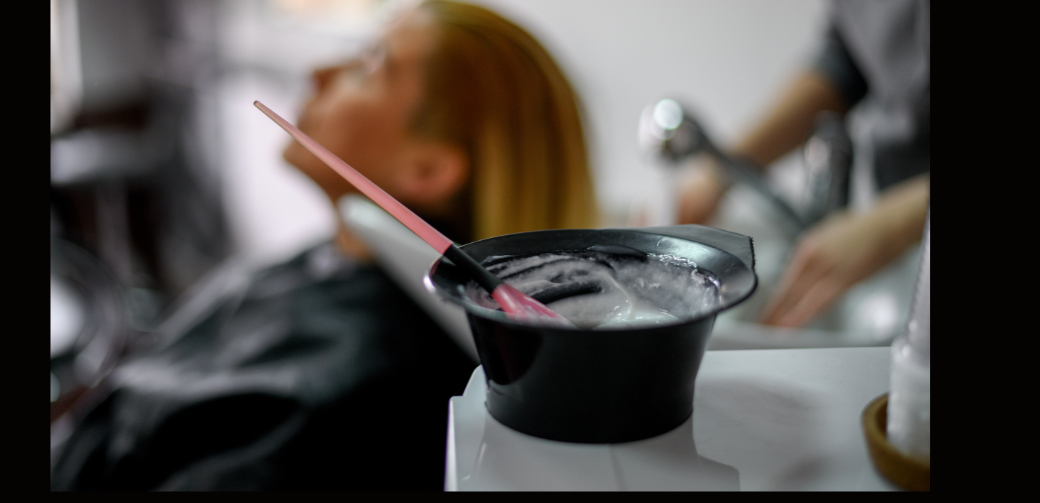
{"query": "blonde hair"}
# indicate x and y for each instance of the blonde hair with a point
(495, 92)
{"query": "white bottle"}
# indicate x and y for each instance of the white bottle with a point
(909, 399)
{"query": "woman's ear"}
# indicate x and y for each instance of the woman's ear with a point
(433, 173)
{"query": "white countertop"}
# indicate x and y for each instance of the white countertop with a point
(777, 419)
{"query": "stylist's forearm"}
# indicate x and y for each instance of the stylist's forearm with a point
(905, 207)
(790, 121)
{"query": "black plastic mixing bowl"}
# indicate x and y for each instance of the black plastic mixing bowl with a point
(598, 386)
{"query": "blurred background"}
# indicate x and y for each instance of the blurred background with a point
(151, 107)
(161, 168)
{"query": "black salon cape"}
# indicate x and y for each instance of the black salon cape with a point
(320, 374)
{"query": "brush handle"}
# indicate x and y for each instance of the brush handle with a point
(432, 236)
(472, 268)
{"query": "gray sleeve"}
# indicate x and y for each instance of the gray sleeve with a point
(835, 63)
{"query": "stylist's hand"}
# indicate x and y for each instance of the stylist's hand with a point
(828, 259)
(700, 189)
(845, 249)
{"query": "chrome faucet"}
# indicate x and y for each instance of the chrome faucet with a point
(669, 131)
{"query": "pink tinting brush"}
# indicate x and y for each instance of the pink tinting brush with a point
(514, 302)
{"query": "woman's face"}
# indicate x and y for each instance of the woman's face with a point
(360, 110)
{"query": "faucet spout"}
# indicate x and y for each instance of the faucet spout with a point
(669, 131)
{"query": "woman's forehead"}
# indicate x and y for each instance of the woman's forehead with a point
(410, 37)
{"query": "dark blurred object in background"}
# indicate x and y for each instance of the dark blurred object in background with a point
(88, 328)
(134, 179)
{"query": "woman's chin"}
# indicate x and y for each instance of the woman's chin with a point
(307, 163)
(292, 153)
